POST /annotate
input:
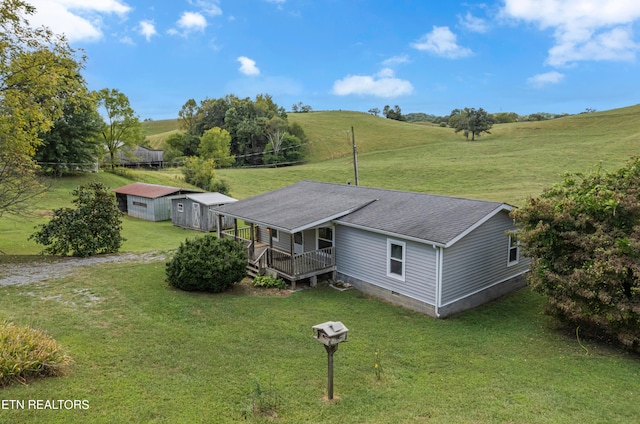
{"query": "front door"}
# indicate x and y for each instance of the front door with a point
(298, 243)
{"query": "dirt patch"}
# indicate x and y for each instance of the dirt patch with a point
(28, 273)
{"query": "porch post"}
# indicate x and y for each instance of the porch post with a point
(219, 226)
(253, 242)
(235, 229)
(270, 255)
(293, 262)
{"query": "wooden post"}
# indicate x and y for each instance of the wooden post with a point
(219, 226)
(235, 229)
(291, 250)
(355, 155)
(330, 351)
(253, 242)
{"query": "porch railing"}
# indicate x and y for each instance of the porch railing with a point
(302, 263)
(243, 233)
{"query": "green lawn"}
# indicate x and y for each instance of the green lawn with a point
(147, 353)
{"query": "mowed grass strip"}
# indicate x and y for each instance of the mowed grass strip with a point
(144, 352)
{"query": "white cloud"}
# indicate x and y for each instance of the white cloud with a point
(383, 84)
(211, 8)
(248, 66)
(396, 60)
(147, 29)
(541, 80)
(79, 20)
(127, 40)
(192, 21)
(442, 42)
(473, 24)
(583, 29)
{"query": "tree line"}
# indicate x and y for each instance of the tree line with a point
(235, 131)
(47, 113)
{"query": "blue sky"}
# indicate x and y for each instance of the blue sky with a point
(428, 56)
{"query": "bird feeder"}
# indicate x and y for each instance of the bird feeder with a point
(330, 334)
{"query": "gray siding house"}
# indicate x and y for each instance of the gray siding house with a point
(196, 211)
(150, 202)
(435, 254)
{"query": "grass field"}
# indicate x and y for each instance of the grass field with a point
(146, 353)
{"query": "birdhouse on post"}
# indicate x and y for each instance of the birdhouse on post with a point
(330, 334)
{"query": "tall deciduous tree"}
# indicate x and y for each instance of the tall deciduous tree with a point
(73, 140)
(215, 144)
(187, 116)
(471, 121)
(36, 67)
(583, 236)
(122, 127)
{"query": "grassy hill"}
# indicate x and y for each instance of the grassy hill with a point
(514, 162)
(157, 131)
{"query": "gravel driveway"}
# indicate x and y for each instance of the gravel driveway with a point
(21, 274)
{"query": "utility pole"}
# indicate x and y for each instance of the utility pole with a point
(355, 155)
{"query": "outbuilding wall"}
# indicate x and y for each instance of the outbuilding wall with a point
(158, 209)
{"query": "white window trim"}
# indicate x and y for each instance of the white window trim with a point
(404, 259)
(318, 237)
(509, 248)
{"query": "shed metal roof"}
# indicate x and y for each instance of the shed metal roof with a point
(437, 219)
(210, 199)
(150, 191)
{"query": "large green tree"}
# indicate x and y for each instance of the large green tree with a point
(215, 144)
(72, 142)
(122, 127)
(471, 121)
(92, 227)
(38, 70)
(583, 236)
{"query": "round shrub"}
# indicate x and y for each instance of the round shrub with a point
(27, 353)
(207, 264)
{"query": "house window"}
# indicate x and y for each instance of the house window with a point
(325, 237)
(180, 207)
(514, 251)
(396, 255)
(274, 233)
(142, 205)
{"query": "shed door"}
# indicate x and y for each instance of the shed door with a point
(196, 215)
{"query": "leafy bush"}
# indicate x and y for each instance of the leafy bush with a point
(27, 353)
(93, 227)
(268, 282)
(207, 264)
(583, 236)
(201, 173)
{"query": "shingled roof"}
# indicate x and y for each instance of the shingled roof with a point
(436, 219)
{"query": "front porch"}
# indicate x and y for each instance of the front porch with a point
(293, 266)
